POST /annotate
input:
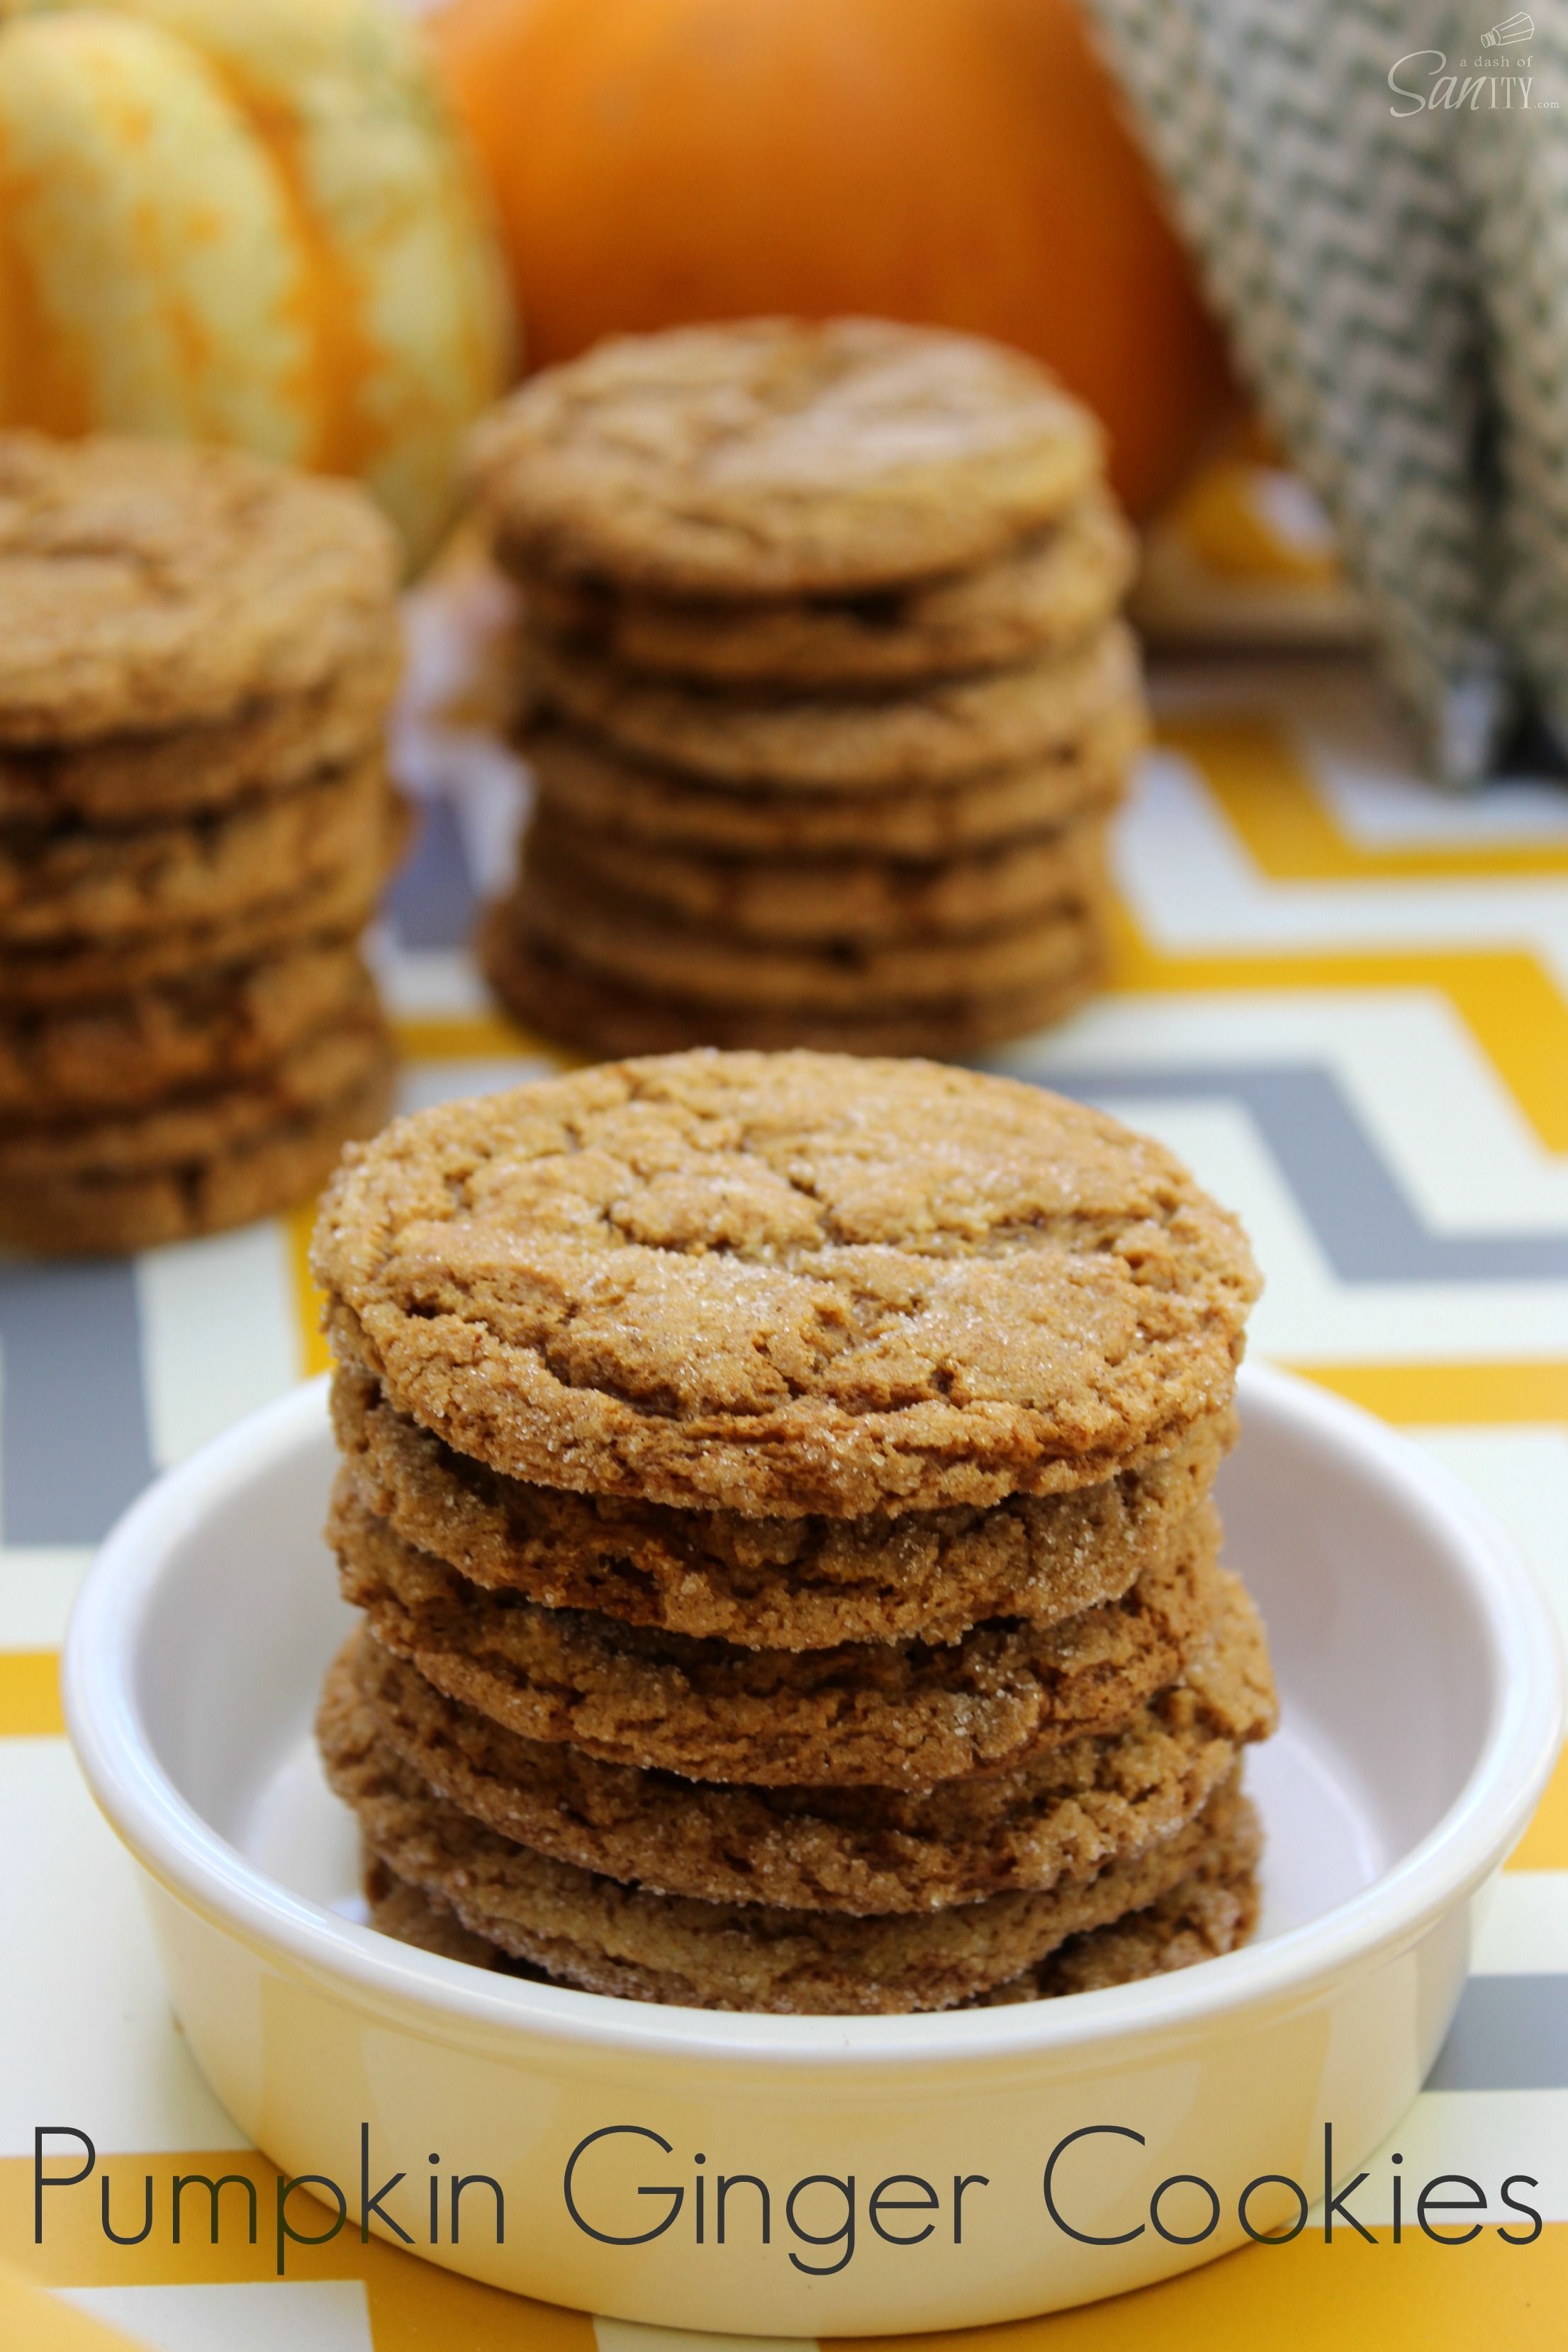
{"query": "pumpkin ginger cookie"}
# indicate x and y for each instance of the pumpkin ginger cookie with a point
(1211, 1911)
(603, 1935)
(798, 1583)
(549, 988)
(147, 586)
(778, 458)
(851, 901)
(188, 1169)
(1044, 591)
(785, 1284)
(594, 786)
(126, 1052)
(129, 780)
(903, 1715)
(1066, 1810)
(931, 733)
(76, 882)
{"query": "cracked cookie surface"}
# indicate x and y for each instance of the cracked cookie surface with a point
(781, 457)
(793, 1283)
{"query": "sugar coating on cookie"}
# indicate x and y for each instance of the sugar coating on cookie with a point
(146, 586)
(779, 458)
(785, 1283)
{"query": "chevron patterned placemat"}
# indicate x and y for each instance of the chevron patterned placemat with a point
(1344, 1000)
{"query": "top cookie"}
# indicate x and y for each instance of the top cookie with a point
(785, 1283)
(778, 458)
(144, 585)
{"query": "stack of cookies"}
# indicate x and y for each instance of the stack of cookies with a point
(829, 700)
(196, 654)
(777, 1490)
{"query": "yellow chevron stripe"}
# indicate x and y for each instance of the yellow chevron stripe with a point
(1313, 2297)
(30, 1695)
(1450, 1392)
(1270, 800)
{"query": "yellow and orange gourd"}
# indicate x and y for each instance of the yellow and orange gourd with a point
(246, 221)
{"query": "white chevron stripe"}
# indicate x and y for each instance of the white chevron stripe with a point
(1362, 758)
(198, 1381)
(77, 2042)
(1306, 1312)
(1429, 1098)
(1194, 889)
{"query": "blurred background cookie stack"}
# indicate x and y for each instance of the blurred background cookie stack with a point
(778, 1491)
(196, 654)
(828, 702)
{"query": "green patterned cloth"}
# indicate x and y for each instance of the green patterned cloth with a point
(1378, 192)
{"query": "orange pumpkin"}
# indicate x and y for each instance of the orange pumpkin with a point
(961, 162)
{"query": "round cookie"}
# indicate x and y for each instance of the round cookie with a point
(776, 458)
(826, 899)
(126, 1053)
(324, 907)
(776, 1583)
(625, 939)
(202, 1166)
(1211, 1911)
(796, 1283)
(927, 734)
(147, 586)
(893, 1715)
(76, 883)
(592, 786)
(874, 1850)
(593, 1931)
(269, 746)
(1044, 591)
(550, 991)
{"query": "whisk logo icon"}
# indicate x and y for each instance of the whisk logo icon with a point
(1509, 33)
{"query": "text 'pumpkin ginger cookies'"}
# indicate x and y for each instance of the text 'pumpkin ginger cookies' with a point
(778, 1493)
(789, 1283)
(847, 592)
(198, 649)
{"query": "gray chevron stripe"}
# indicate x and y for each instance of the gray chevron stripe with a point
(431, 902)
(1362, 1219)
(1510, 2033)
(73, 1427)
(73, 1435)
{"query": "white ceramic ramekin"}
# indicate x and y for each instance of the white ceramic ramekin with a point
(1421, 1686)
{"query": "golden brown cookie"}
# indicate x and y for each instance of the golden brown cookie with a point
(641, 946)
(587, 1929)
(269, 746)
(779, 1583)
(553, 992)
(592, 786)
(841, 899)
(1211, 1911)
(867, 1850)
(320, 907)
(896, 1715)
(776, 458)
(925, 735)
(200, 1165)
(146, 586)
(791, 1283)
(1041, 591)
(127, 1052)
(74, 882)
